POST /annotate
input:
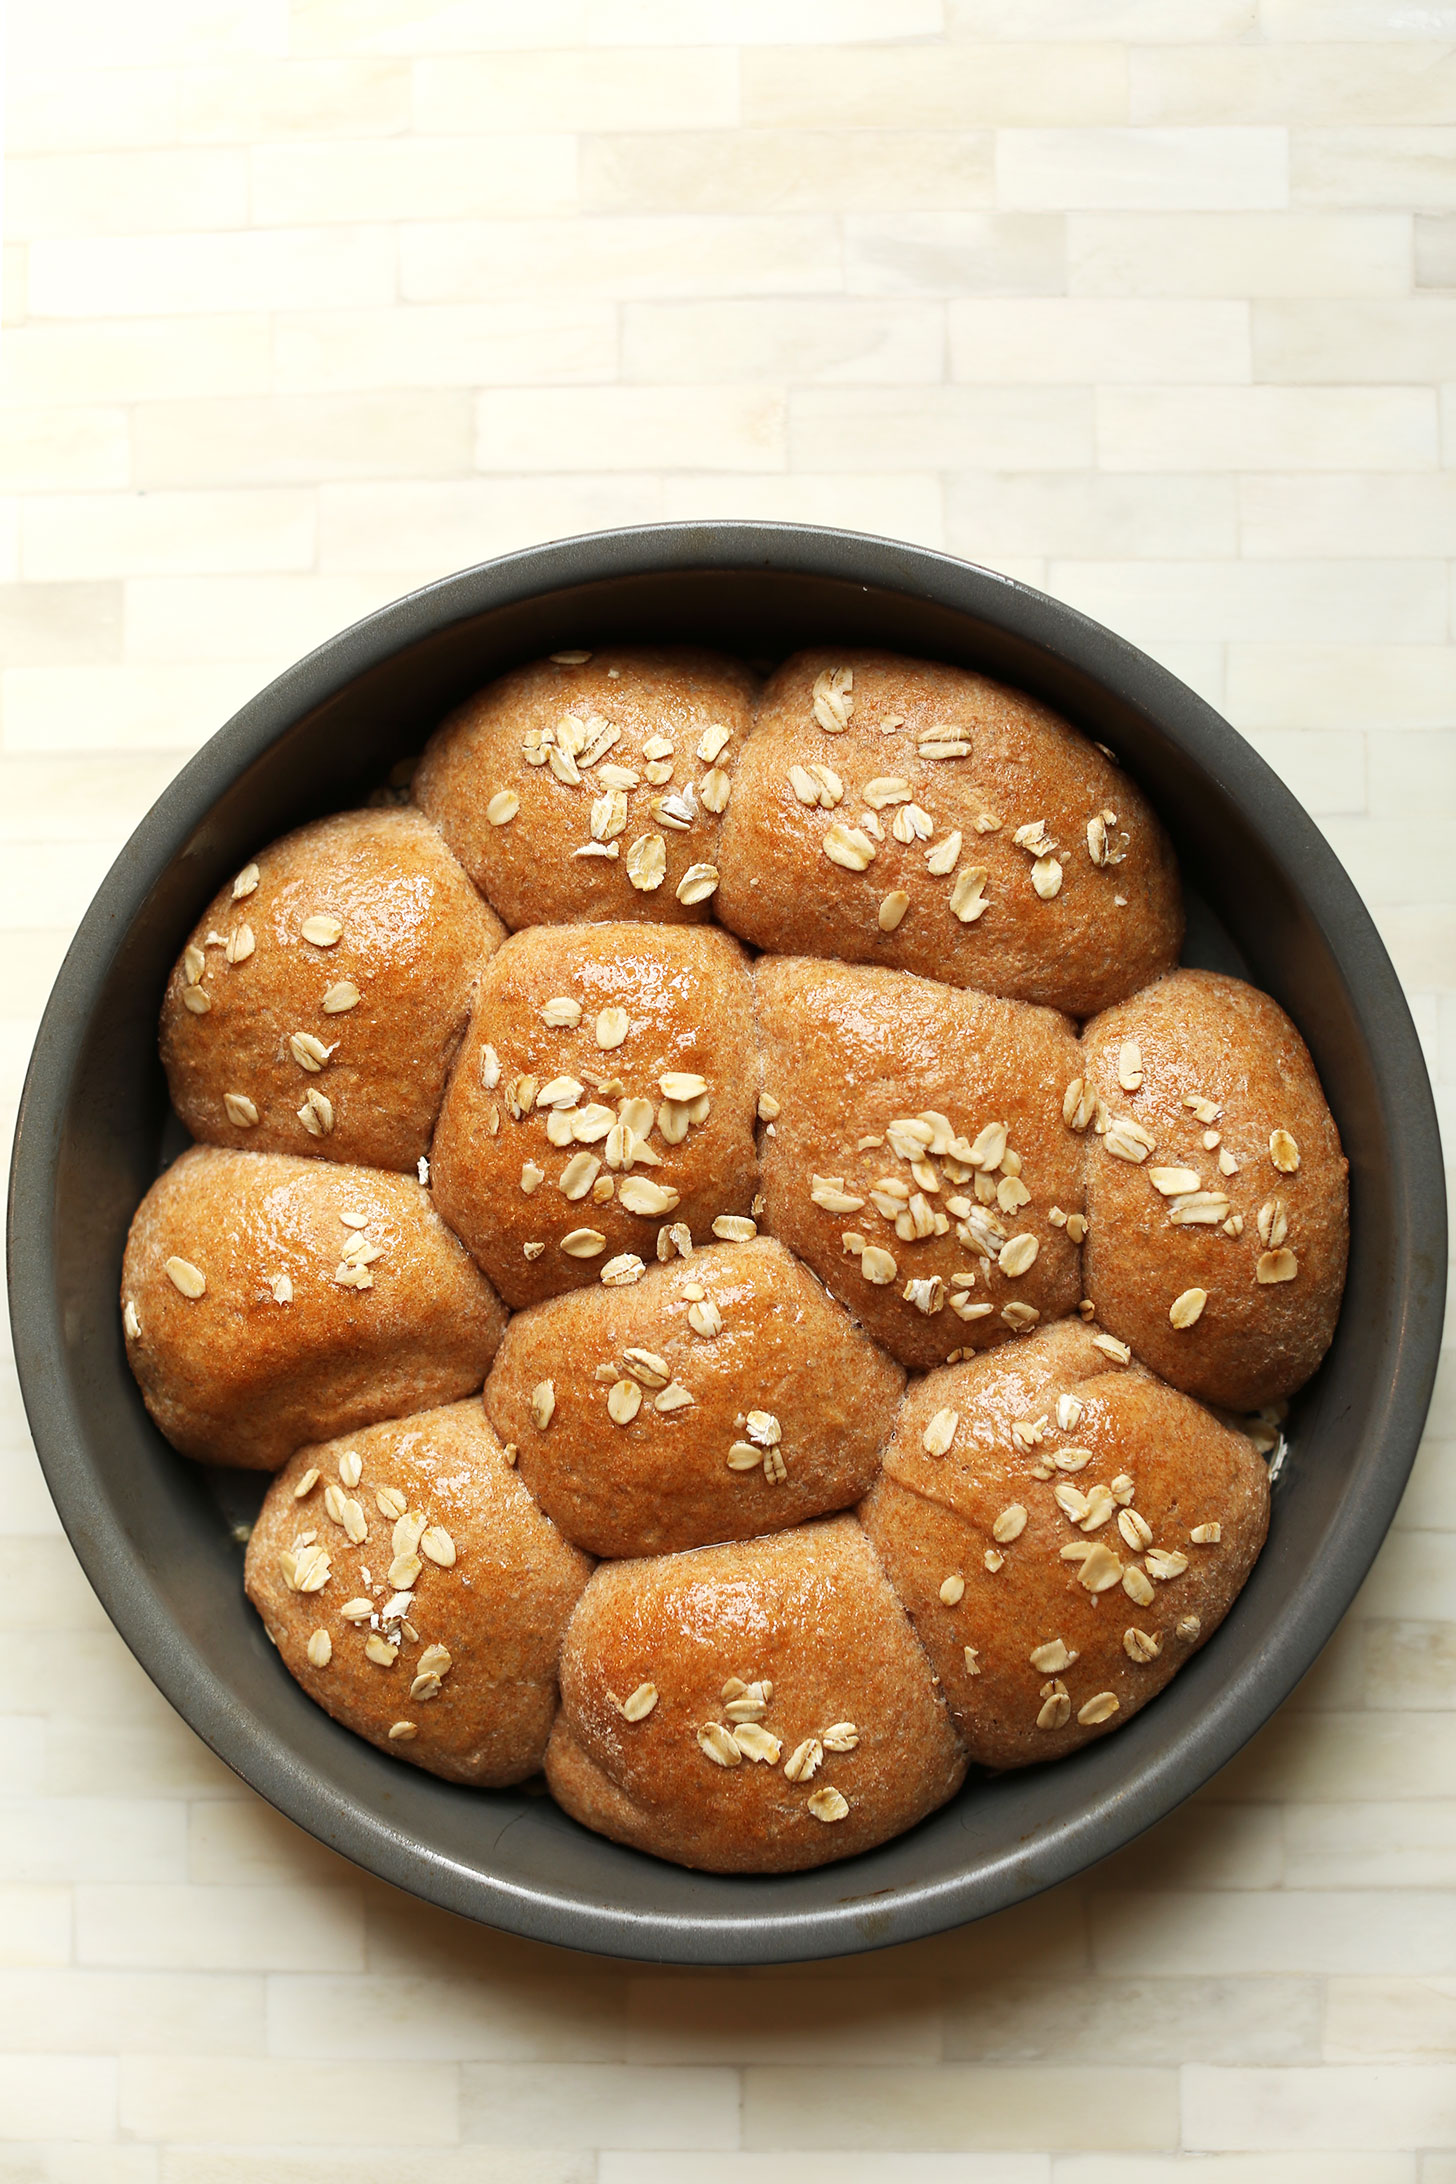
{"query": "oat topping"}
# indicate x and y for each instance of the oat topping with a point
(734, 1228)
(968, 896)
(647, 862)
(720, 1746)
(832, 699)
(1284, 1152)
(828, 1804)
(543, 1404)
(1111, 1347)
(1127, 1140)
(697, 884)
(848, 846)
(1187, 1308)
(1101, 1707)
(940, 1432)
(1056, 1706)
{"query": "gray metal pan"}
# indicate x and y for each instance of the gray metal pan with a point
(153, 1531)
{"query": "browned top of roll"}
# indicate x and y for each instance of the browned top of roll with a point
(755, 1708)
(417, 1593)
(591, 785)
(1064, 1532)
(917, 1143)
(1217, 1199)
(906, 813)
(582, 1037)
(720, 1397)
(322, 994)
(268, 1302)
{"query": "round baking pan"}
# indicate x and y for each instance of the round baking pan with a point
(156, 1534)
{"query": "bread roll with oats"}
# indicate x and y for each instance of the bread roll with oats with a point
(418, 1595)
(720, 1397)
(591, 785)
(321, 996)
(916, 1156)
(267, 1302)
(757, 1708)
(603, 1097)
(914, 815)
(1216, 1194)
(1064, 1533)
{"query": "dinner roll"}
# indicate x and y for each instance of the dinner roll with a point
(1064, 1532)
(906, 813)
(752, 1708)
(722, 1396)
(268, 1301)
(604, 1095)
(916, 1156)
(414, 1589)
(1216, 1194)
(322, 994)
(591, 785)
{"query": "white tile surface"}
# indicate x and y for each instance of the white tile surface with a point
(1152, 302)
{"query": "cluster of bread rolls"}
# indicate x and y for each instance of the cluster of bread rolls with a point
(750, 1264)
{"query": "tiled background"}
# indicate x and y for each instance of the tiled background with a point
(1147, 301)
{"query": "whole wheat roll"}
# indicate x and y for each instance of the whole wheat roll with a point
(268, 1301)
(723, 1396)
(1064, 1532)
(417, 1593)
(1216, 1191)
(591, 785)
(916, 815)
(605, 1093)
(321, 995)
(754, 1708)
(863, 1069)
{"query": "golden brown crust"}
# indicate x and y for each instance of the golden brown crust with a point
(488, 1579)
(290, 1340)
(780, 1380)
(1207, 1038)
(812, 1613)
(848, 1052)
(1143, 1470)
(381, 990)
(1077, 949)
(686, 1009)
(525, 861)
